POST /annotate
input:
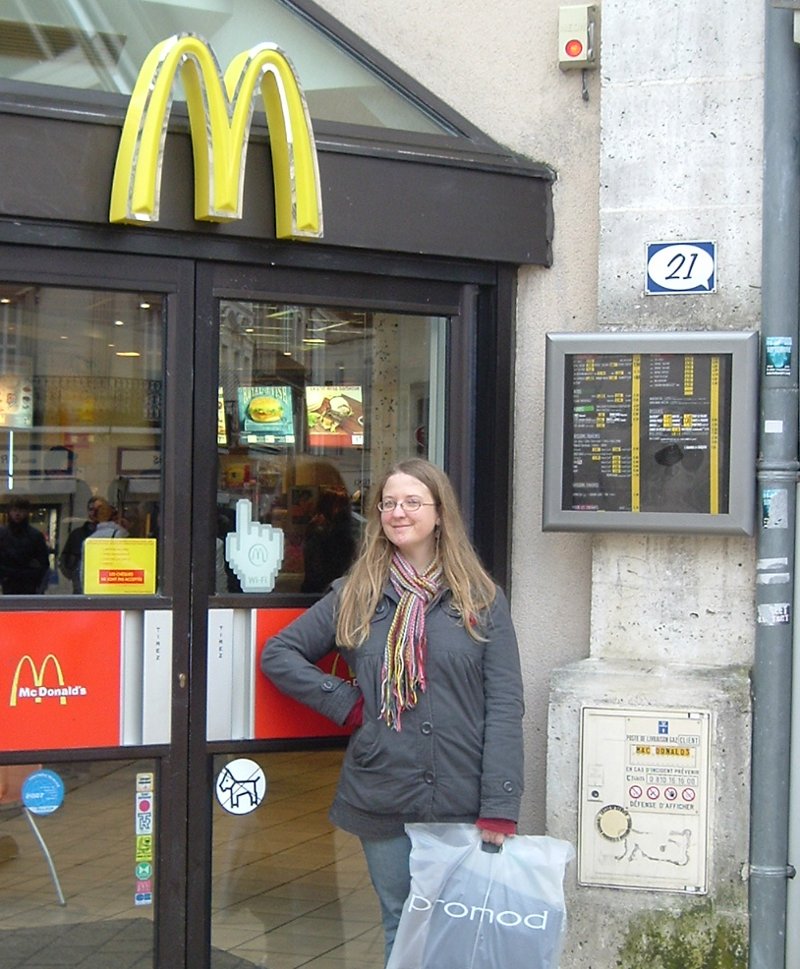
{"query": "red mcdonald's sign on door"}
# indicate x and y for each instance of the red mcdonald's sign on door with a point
(60, 680)
(277, 715)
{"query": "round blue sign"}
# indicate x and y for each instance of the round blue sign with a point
(43, 792)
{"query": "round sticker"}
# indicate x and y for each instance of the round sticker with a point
(241, 786)
(614, 822)
(43, 792)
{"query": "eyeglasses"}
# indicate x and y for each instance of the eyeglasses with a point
(407, 504)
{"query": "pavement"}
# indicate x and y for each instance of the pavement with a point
(111, 944)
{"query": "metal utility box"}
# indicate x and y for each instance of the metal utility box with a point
(578, 30)
(644, 804)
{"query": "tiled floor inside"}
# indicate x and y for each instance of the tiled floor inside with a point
(289, 890)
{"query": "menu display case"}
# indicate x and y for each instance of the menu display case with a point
(651, 432)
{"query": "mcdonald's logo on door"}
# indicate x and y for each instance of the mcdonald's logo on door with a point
(38, 689)
(277, 716)
(220, 114)
(60, 677)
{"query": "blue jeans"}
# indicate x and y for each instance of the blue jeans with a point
(388, 864)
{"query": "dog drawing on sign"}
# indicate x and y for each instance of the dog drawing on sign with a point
(672, 848)
(236, 788)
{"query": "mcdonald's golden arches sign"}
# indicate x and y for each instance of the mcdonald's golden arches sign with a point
(60, 680)
(220, 114)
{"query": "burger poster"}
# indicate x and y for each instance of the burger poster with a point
(265, 415)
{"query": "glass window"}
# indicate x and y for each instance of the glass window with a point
(80, 435)
(105, 882)
(101, 46)
(314, 403)
(288, 888)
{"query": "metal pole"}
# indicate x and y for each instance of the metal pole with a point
(777, 477)
(793, 888)
(47, 856)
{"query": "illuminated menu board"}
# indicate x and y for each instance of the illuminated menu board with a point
(651, 432)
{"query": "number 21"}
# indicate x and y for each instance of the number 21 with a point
(679, 260)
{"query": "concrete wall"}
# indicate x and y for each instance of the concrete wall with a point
(634, 927)
(672, 617)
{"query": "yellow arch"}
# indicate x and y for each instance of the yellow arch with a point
(220, 114)
(37, 676)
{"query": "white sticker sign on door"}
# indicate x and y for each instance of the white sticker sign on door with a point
(241, 786)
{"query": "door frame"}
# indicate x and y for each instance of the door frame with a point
(174, 278)
(217, 281)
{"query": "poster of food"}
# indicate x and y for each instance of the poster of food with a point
(265, 415)
(335, 416)
(16, 401)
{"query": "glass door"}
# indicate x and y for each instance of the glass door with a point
(315, 396)
(92, 724)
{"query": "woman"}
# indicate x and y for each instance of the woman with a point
(438, 706)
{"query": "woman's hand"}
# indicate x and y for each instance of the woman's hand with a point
(494, 831)
(493, 837)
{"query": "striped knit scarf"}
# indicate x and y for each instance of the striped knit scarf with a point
(403, 673)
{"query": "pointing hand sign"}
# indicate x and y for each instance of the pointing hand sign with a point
(254, 551)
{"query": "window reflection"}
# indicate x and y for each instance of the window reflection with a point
(314, 402)
(80, 422)
(101, 46)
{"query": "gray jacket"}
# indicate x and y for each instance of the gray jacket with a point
(458, 756)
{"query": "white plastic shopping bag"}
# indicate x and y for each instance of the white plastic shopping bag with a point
(475, 909)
